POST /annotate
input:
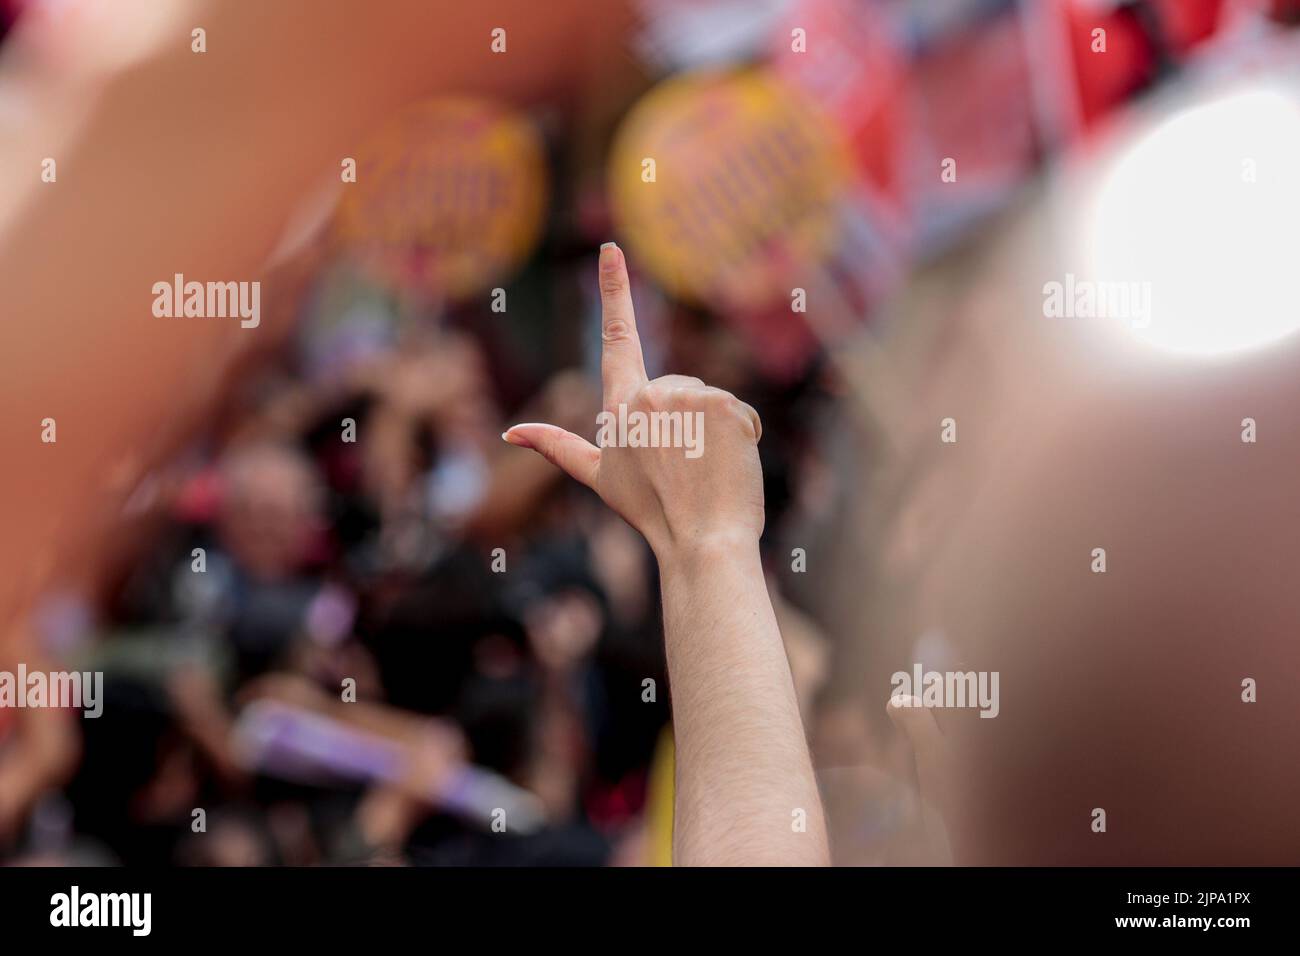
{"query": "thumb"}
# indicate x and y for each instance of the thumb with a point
(576, 457)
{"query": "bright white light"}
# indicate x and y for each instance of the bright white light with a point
(1179, 209)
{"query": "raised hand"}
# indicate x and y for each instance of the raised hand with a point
(677, 458)
(679, 461)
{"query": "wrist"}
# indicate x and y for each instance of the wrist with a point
(707, 549)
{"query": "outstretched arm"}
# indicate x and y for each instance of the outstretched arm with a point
(745, 792)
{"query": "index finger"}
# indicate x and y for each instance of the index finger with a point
(622, 367)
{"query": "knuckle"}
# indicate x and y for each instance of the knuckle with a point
(740, 412)
(656, 395)
(666, 395)
(544, 445)
(611, 283)
(719, 400)
(749, 417)
(614, 330)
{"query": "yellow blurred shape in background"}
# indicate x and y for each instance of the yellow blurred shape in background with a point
(746, 178)
(450, 195)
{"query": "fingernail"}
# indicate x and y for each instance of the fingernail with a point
(517, 440)
(608, 245)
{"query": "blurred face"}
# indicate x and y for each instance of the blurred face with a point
(564, 628)
(269, 513)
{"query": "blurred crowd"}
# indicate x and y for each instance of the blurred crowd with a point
(445, 626)
(347, 624)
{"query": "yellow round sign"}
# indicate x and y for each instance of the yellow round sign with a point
(725, 185)
(450, 194)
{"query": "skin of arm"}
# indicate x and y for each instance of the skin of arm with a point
(174, 161)
(744, 775)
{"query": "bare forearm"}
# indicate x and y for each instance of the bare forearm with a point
(745, 791)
